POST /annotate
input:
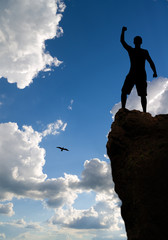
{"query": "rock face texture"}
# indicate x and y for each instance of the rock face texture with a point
(138, 149)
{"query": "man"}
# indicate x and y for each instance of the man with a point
(137, 73)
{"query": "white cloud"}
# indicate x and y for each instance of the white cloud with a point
(70, 105)
(21, 223)
(106, 156)
(28, 230)
(97, 176)
(156, 100)
(34, 226)
(21, 176)
(105, 214)
(24, 28)
(64, 127)
(22, 161)
(2, 236)
(6, 209)
(54, 128)
(60, 192)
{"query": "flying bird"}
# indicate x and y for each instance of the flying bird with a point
(63, 149)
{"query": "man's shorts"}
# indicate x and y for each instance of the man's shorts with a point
(139, 81)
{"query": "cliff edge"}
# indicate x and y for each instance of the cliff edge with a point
(138, 149)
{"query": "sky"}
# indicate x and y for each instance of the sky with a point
(62, 68)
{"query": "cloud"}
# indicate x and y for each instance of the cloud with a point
(23, 229)
(21, 223)
(7, 209)
(54, 128)
(2, 236)
(156, 100)
(105, 214)
(96, 176)
(70, 105)
(2, 97)
(59, 192)
(24, 28)
(22, 161)
(114, 236)
(22, 176)
(106, 156)
(21, 169)
(34, 226)
(88, 222)
(63, 127)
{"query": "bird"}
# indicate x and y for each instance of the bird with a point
(63, 149)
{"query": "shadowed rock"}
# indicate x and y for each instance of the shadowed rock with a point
(138, 149)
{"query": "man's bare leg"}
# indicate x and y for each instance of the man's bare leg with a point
(123, 100)
(144, 103)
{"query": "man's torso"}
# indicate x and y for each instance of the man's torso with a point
(137, 59)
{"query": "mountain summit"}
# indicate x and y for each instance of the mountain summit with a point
(138, 149)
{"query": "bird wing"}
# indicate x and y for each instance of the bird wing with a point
(59, 147)
(62, 148)
(66, 149)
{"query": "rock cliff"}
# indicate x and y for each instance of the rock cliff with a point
(138, 149)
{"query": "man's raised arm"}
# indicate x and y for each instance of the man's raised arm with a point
(122, 39)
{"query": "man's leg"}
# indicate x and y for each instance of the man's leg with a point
(123, 100)
(144, 103)
(142, 91)
(126, 89)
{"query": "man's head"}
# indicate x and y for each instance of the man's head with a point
(137, 41)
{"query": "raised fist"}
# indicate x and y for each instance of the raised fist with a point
(124, 29)
(155, 75)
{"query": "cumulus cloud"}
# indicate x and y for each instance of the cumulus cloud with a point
(60, 191)
(22, 176)
(6, 209)
(157, 98)
(21, 169)
(24, 28)
(22, 161)
(79, 219)
(105, 214)
(96, 176)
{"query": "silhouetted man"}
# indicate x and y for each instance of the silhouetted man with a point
(137, 73)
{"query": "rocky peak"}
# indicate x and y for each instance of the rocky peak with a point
(138, 149)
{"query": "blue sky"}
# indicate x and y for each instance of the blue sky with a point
(62, 67)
